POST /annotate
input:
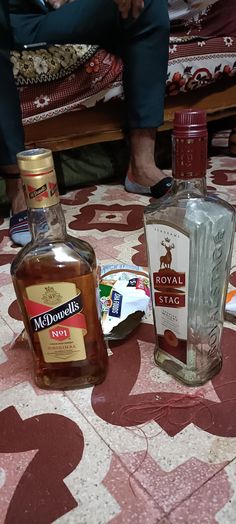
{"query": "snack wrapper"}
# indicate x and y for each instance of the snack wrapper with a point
(230, 305)
(124, 299)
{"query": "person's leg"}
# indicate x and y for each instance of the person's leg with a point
(143, 45)
(80, 21)
(143, 173)
(145, 69)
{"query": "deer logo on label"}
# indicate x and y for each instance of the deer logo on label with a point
(166, 259)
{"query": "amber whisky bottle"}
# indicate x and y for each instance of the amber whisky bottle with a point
(55, 281)
(189, 235)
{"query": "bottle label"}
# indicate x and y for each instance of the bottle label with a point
(168, 249)
(40, 190)
(55, 312)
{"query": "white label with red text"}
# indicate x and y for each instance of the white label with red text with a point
(168, 249)
(55, 312)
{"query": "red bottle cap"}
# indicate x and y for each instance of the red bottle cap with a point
(190, 122)
(189, 144)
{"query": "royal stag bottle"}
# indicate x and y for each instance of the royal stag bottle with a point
(189, 236)
(55, 281)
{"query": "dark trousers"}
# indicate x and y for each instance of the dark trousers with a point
(142, 43)
(11, 131)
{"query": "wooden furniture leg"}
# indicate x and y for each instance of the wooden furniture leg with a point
(232, 142)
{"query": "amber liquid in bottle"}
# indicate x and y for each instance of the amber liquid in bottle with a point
(56, 286)
(64, 375)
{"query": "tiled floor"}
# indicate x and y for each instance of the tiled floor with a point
(139, 448)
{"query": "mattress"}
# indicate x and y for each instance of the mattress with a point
(61, 79)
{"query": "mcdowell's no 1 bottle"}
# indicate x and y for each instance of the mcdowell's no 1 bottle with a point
(55, 280)
(189, 236)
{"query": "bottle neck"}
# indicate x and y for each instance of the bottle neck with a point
(47, 224)
(194, 187)
(189, 163)
(46, 218)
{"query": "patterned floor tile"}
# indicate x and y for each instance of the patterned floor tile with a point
(138, 448)
(173, 488)
(69, 470)
(205, 504)
(9, 309)
(227, 514)
(6, 338)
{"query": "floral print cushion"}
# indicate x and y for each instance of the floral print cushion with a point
(52, 63)
(200, 63)
(184, 9)
(216, 19)
(192, 65)
(202, 51)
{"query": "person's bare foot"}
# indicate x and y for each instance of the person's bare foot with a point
(142, 168)
(15, 194)
(146, 176)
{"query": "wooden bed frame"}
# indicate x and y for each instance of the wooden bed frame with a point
(105, 121)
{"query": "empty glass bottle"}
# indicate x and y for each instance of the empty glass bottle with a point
(189, 235)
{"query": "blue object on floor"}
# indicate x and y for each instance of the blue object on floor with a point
(19, 228)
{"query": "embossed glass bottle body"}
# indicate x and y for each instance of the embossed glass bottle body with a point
(56, 286)
(189, 243)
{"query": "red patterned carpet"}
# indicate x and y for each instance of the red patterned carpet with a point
(139, 448)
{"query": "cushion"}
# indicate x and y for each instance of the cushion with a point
(52, 63)
(184, 9)
(218, 18)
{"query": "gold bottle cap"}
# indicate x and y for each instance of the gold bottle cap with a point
(38, 176)
(35, 161)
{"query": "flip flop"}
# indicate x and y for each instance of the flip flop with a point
(19, 228)
(157, 191)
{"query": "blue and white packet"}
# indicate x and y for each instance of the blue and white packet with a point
(124, 298)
